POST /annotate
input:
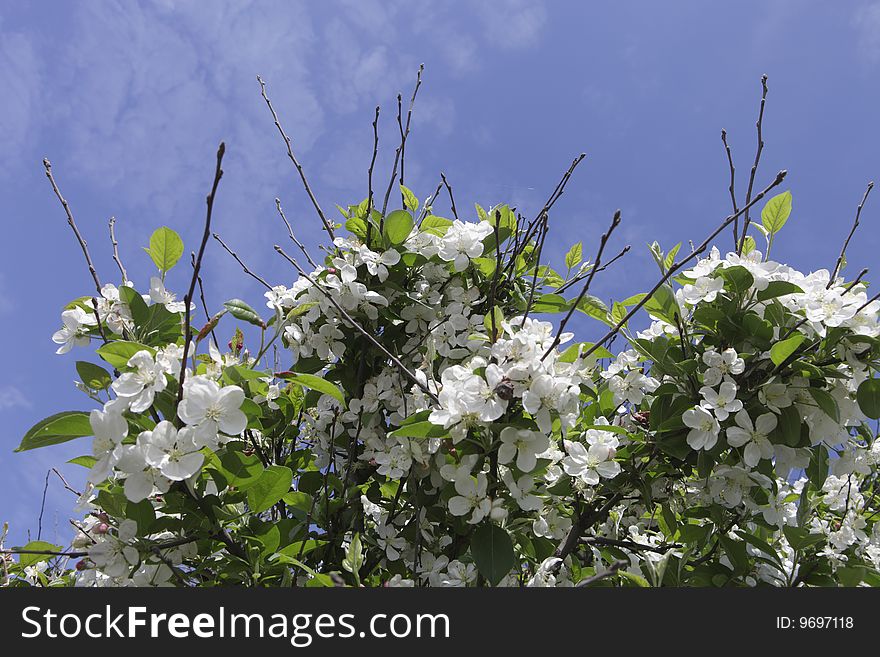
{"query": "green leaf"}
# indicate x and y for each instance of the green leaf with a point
(241, 470)
(492, 551)
(420, 430)
(663, 305)
(316, 383)
(357, 226)
(166, 247)
(118, 353)
(436, 225)
(800, 538)
(826, 402)
(30, 559)
(575, 255)
(94, 376)
(868, 396)
(788, 427)
(595, 308)
(749, 245)
(669, 260)
(398, 226)
(241, 310)
(817, 470)
(492, 322)
(85, 461)
(778, 289)
(412, 202)
(781, 351)
(136, 304)
(273, 484)
(550, 303)
(776, 212)
(737, 279)
(298, 500)
(55, 429)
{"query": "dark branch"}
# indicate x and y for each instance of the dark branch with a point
(79, 238)
(197, 267)
(852, 231)
(290, 154)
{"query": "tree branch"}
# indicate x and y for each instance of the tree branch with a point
(70, 220)
(354, 324)
(247, 271)
(759, 125)
(327, 225)
(112, 226)
(218, 173)
(852, 231)
(678, 265)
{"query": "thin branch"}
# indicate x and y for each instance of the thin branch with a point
(629, 545)
(731, 188)
(112, 226)
(209, 318)
(79, 238)
(327, 225)
(354, 324)
(849, 237)
(65, 484)
(432, 200)
(292, 236)
(615, 222)
(599, 270)
(404, 133)
(370, 177)
(187, 299)
(610, 572)
(51, 553)
(247, 271)
(533, 227)
(449, 191)
(678, 265)
(759, 125)
(43, 506)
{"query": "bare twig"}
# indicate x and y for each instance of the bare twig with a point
(70, 220)
(731, 188)
(112, 226)
(244, 267)
(65, 484)
(209, 318)
(187, 299)
(759, 125)
(534, 226)
(629, 545)
(678, 265)
(449, 191)
(615, 222)
(370, 176)
(852, 231)
(404, 133)
(610, 572)
(327, 225)
(360, 329)
(43, 506)
(599, 270)
(293, 237)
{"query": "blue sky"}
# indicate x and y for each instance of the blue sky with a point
(129, 101)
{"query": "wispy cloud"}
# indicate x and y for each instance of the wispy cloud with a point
(11, 397)
(866, 21)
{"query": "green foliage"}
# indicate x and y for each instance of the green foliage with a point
(165, 249)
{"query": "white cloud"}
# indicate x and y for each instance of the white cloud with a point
(866, 21)
(20, 80)
(12, 397)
